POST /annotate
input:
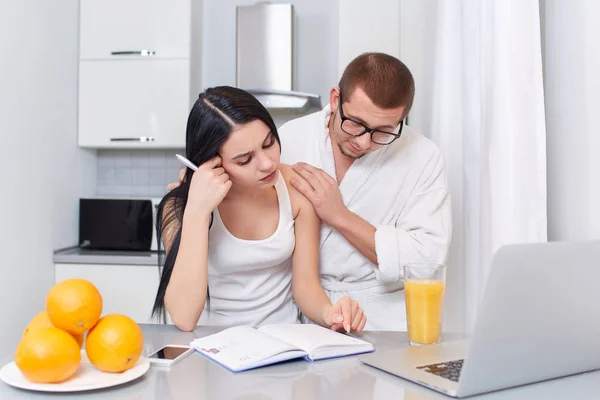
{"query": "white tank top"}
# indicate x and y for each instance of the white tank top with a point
(250, 281)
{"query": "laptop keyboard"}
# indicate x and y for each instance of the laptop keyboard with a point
(449, 370)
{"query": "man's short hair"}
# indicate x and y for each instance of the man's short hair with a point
(385, 79)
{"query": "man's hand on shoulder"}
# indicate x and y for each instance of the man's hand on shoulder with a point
(322, 190)
(174, 185)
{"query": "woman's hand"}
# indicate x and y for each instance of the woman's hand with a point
(209, 186)
(346, 314)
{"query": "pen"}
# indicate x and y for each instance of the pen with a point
(186, 162)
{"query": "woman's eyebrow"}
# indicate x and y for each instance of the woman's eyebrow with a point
(269, 133)
(241, 155)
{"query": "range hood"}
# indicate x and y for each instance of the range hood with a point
(264, 58)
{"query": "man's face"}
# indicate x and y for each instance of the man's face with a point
(359, 107)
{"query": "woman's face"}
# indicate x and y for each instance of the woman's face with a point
(251, 155)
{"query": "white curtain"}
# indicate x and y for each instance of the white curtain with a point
(484, 106)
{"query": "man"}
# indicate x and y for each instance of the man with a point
(378, 186)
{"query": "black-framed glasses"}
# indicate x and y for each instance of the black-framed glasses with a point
(354, 128)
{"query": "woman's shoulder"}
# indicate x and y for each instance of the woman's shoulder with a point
(296, 198)
(287, 171)
(288, 174)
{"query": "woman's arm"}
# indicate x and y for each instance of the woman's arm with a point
(186, 293)
(185, 296)
(306, 286)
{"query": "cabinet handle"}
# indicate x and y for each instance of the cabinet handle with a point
(133, 139)
(144, 53)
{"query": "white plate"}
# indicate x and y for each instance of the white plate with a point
(87, 377)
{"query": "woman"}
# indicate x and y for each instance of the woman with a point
(237, 236)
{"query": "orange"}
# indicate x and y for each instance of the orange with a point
(41, 321)
(74, 305)
(115, 343)
(48, 355)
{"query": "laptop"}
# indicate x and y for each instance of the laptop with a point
(539, 320)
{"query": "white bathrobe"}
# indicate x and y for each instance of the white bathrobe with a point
(400, 189)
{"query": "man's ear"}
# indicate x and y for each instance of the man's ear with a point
(334, 96)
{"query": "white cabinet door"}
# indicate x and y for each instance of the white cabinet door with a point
(123, 102)
(125, 289)
(122, 26)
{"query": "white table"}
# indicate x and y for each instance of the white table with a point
(345, 378)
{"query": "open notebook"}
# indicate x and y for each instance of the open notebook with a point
(243, 347)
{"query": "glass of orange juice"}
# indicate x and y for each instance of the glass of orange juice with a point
(424, 286)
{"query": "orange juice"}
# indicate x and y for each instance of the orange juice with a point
(424, 303)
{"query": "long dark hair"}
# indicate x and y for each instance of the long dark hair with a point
(215, 114)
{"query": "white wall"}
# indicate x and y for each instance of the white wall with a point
(365, 27)
(315, 44)
(42, 172)
(401, 28)
(572, 84)
(417, 43)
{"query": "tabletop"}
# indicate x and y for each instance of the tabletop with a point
(346, 378)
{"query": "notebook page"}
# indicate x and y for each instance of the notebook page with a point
(243, 347)
(310, 338)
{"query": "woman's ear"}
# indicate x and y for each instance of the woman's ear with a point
(223, 163)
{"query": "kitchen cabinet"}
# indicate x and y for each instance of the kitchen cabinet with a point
(115, 29)
(120, 103)
(135, 59)
(125, 289)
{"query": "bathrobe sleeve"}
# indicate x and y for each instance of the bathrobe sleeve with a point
(423, 228)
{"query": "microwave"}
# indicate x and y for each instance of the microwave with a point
(118, 224)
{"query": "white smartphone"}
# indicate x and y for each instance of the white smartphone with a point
(169, 355)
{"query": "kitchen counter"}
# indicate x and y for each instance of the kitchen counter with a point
(82, 256)
(344, 378)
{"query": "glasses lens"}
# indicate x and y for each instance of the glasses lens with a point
(352, 128)
(382, 137)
